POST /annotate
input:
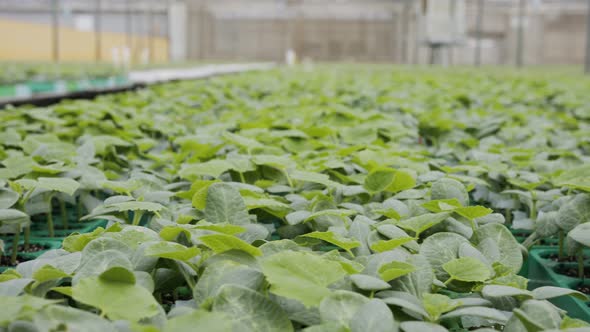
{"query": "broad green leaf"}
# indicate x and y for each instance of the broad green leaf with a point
(508, 254)
(330, 212)
(116, 300)
(56, 317)
(225, 273)
(492, 291)
(136, 206)
(171, 250)
(340, 306)
(301, 276)
(442, 205)
(63, 185)
(221, 228)
(7, 198)
(486, 313)
(367, 282)
(250, 310)
(373, 316)
(577, 178)
(393, 270)
(386, 245)
(422, 222)
(118, 274)
(422, 327)
(314, 178)
(417, 282)
(213, 168)
(387, 179)
(574, 212)
(222, 242)
(334, 239)
(437, 304)
(440, 248)
(473, 212)
(446, 188)
(199, 198)
(48, 272)
(201, 320)
(14, 308)
(550, 292)
(581, 234)
(225, 205)
(467, 269)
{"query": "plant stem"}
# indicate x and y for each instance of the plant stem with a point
(64, 214)
(50, 223)
(449, 281)
(27, 237)
(15, 245)
(79, 209)
(508, 216)
(533, 215)
(137, 217)
(242, 179)
(561, 240)
(580, 257)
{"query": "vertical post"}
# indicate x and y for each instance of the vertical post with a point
(55, 29)
(405, 30)
(128, 24)
(151, 29)
(479, 33)
(97, 32)
(520, 37)
(587, 65)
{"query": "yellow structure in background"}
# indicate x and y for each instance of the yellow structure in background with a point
(23, 41)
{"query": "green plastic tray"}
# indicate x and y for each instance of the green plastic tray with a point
(543, 273)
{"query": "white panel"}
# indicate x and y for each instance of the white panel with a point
(177, 18)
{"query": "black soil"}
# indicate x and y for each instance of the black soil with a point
(572, 271)
(5, 260)
(33, 247)
(567, 259)
(584, 289)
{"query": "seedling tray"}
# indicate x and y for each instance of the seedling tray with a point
(542, 271)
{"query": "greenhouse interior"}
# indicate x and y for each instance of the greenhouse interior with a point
(294, 165)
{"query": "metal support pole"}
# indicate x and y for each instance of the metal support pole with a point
(151, 30)
(587, 65)
(405, 30)
(128, 24)
(97, 32)
(520, 37)
(480, 16)
(55, 29)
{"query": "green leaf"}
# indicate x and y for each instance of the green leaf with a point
(395, 269)
(422, 222)
(335, 239)
(340, 306)
(446, 188)
(199, 198)
(56, 317)
(422, 327)
(467, 269)
(118, 274)
(550, 292)
(493, 291)
(329, 212)
(225, 205)
(135, 206)
(301, 276)
(581, 234)
(508, 250)
(171, 250)
(437, 304)
(63, 185)
(386, 245)
(116, 300)
(486, 313)
(214, 168)
(373, 316)
(576, 178)
(15, 308)
(473, 212)
(48, 272)
(574, 212)
(223, 273)
(440, 248)
(239, 303)
(367, 282)
(8, 198)
(222, 242)
(314, 178)
(388, 179)
(201, 320)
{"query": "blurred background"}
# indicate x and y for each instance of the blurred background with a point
(447, 32)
